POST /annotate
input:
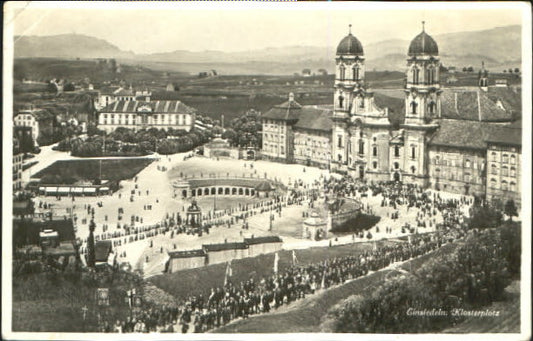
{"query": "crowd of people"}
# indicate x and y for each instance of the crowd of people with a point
(240, 300)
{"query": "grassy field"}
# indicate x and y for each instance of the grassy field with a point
(201, 280)
(112, 169)
(306, 316)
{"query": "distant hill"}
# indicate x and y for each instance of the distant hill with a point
(499, 47)
(69, 46)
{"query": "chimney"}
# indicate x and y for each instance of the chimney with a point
(291, 97)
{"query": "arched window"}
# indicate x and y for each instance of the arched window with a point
(355, 73)
(467, 177)
(374, 151)
(341, 100)
(513, 171)
(413, 107)
(494, 156)
(361, 101)
(512, 186)
(342, 70)
(437, 160)
(493, 183)
(505, 158)
(504, 185)
(361, 147)
(467, 163)
(413, 152)
(339, 141)
(513, 159)
(432, 106)
(494, 169)
(416, 74)
(413, 169)
(505, 171)
(374, 165)
(396, 151)
(339, 157)
(430, 75)
(396, 165)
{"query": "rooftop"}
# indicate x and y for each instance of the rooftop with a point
(224, 246)
(187, 254)
(473, 134)
(262, 240)
(152, 106)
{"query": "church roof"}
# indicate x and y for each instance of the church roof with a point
(474, 104)
(350, 45)
(473, 134)
(508, 135)
(313, 118)
(423, 44)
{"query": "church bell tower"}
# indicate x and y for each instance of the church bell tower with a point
(422, 87)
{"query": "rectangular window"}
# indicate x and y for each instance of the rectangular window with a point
(339, 141)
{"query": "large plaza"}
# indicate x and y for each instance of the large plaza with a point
(145, 201)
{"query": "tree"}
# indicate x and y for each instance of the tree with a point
(516, 70)
(485, 217)
(91, 256)
(470, 69)
(69, 87)
(465, 69)
(510, 209)
(510, 70)
(504, 71)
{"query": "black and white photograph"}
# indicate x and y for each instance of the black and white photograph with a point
(266, 170)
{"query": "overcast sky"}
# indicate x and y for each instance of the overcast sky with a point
(164, 27)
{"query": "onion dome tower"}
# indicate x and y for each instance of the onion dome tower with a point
(422, 88)
(349, 71)
(349, 79)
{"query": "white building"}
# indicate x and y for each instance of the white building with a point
(138, 115)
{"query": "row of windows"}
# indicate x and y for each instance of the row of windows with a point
(312, 143)
(375, 149)
(273, 148)
(457, 163)
(355, 74)
(274, 127)
(467, 177)
(506, 171)
(505, 158)
(273, 136)
(430, 76)
(303, 152)
(431, 107)
(511, 186)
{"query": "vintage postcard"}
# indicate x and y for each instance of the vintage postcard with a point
(266, 170)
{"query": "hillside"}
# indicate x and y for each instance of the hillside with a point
(499, 47)
(66, 46)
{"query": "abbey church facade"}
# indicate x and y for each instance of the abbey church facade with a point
(448, 138)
